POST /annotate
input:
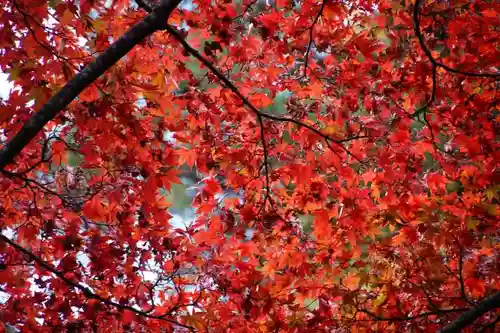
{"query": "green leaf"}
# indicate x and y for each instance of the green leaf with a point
(183, 88)
(236, 68)
(418, 125)
(74, 159)
(312, 116)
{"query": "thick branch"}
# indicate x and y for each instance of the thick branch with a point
(147, 5)
(468, 317)
(86, 291)
(151, 23)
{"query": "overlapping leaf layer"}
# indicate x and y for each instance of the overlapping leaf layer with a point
(342, 178)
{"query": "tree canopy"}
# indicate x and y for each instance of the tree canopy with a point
(250, 166)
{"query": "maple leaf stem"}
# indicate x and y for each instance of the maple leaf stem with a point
(88, 75)
(428, 53)
(86, 291)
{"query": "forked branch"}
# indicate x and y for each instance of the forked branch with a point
(154, 21)
(84, 290)
(427, 51)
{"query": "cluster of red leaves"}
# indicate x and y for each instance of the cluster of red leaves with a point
(368, 183)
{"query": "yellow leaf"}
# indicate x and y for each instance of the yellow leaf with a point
(472, 224)
(380, 299)
(375, 191)
(14, 73)
(195, 320)
(331, 129)
(159, 80)
(493, 210)
(492, 193)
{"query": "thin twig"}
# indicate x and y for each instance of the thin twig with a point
(266, 161)
(245, 100)
(311, 35)
(86, 291)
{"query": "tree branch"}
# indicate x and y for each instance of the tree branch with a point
(171, 30)
(147, 5)
(468, 317)
(410, 318)
(151, 23)
(86, 291)
(427, 51)
(266, 161)
(311, 36)
(460, 273)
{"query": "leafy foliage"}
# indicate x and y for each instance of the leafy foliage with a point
(251, 166)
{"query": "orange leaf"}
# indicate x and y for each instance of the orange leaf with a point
(351, 281)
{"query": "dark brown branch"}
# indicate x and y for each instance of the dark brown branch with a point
(151, 23)
(266, 161)
(245, 100)
(490, 326)
(146, 5)
(86, 291)
(460, 274)
(427, 51)
(410, 318)
(468, 317)
(311, 35)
